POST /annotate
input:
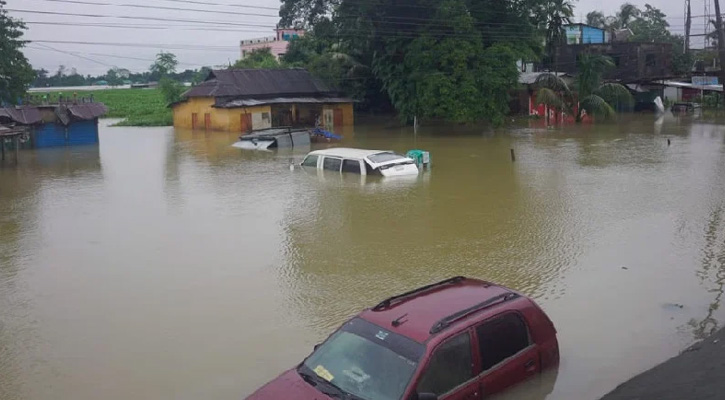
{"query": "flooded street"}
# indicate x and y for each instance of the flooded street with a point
(169, 265)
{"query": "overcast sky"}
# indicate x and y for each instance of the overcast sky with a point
(202, 34)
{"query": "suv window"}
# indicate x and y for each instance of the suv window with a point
(310, 161)
(501, 338)
(449, 366)
(351, 166)
(331, 164)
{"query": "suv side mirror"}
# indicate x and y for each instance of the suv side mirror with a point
(427, 396)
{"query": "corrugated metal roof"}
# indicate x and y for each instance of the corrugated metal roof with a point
(529, 78)
(87, 111)
(260, 83)
(29, 115)
(283, 100)
(22, 115)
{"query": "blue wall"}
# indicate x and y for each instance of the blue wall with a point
(77, 133)
(582, 34)
(592, 35)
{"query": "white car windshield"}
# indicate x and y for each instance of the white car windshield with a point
(365, 361)
(385, 157)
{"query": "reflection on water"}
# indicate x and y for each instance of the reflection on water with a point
(168, 264)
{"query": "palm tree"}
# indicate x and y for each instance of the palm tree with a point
(627, 13)
(597, 19)
(556, 14)
(592, 96)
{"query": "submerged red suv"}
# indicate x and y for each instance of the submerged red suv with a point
(460, 338)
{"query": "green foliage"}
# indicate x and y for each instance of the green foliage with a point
(451, 60)
(15, 70)
(445, 73)
(164, 65)
(595, 98)
(597, 19)
(258, 58)
(556, 14)
(171, 89)
(648, 25)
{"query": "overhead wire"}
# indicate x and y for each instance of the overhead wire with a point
(196, 10)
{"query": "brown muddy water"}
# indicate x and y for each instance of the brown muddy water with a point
(169, 265)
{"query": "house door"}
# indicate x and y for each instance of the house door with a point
(337, 120)
(207, 121)
(194, 121)
(246, 122)
(328, 118)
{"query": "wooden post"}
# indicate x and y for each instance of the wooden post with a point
(2, 147)
(17, 148)
(513, 156)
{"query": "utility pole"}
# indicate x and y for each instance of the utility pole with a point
(688, 26)
(720, 41)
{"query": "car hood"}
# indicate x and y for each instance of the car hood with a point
(288, 386)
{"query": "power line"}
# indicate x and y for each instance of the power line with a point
(133, 26)
(74, 55)
(159, 8)
(137, 17)
(205, 3)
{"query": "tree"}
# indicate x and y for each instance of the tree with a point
(557, 13)
(451, 59)
(446, 73)
(171, 89)
(626, 14)
(113, 78)
(15, 70)
(592, 96)
(650, 25)
(258, 58)
(597, 19)
(164, 65)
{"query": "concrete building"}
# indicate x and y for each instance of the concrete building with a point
(242, 100)
(277, 44)
(634, 61)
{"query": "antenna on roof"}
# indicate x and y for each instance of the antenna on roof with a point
(399, 321)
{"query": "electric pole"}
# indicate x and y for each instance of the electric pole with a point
(688, 26)
(720, 41)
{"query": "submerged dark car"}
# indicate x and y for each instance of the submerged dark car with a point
(460, 338)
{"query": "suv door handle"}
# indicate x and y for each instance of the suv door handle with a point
(530, 365)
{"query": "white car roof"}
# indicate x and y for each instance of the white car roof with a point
(345, 152)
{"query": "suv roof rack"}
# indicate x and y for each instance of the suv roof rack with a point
(387, 302)
(445, 322)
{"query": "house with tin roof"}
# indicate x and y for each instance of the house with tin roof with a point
(243, 100)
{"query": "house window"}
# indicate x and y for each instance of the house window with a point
(651, 60)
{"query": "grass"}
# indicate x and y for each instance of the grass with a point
(137, 107)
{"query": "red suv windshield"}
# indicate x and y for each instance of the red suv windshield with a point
(366, 361)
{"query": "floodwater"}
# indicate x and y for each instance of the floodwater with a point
(169, 265)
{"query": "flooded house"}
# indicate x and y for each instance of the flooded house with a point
(64, 123)
(243, 100)
(635, 62)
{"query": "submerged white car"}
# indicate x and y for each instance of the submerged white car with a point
(363, 162)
